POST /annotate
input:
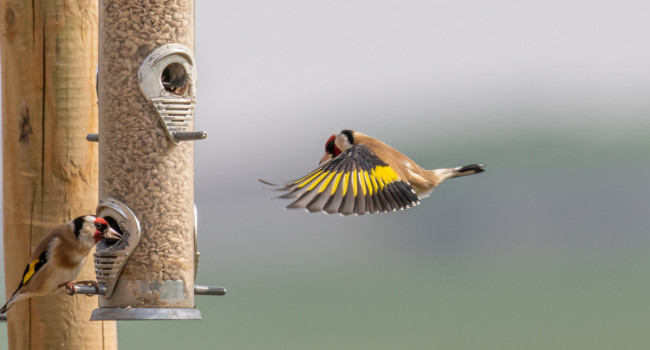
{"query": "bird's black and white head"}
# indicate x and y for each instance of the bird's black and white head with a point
(345, 139)
(337, 144)
(92, 229)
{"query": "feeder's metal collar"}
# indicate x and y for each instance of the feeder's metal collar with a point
(127, 314)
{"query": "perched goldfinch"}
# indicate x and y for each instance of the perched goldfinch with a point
(359, 174)
(60, 256)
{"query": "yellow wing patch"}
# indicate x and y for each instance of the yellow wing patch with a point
(362, 182)
(345, 183)
(335, 185)
(374, 183)
(385, 173)
(326, 182)
(317, 181)
(368, 182)
(305, 180)
(31, 269)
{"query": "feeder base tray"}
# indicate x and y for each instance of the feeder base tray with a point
(125, 314)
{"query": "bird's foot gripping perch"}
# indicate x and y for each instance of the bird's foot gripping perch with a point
(88, 288)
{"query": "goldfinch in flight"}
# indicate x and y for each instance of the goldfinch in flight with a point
(359, 174)
(60, 256)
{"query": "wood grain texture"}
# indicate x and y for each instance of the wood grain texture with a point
(49, 58)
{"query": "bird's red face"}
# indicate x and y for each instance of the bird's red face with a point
(103, 230)
(331, 150)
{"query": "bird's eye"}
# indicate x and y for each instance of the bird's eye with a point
(100, 226)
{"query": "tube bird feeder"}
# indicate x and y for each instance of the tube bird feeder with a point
(147, 88)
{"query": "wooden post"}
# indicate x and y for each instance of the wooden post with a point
(49, 58)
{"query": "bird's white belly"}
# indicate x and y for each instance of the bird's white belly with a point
(425, 194)
(61, 276)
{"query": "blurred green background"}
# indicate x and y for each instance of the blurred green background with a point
(548, 249)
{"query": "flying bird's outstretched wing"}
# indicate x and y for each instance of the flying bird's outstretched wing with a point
(355, 182)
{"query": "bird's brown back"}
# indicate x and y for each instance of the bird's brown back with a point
(420, 179)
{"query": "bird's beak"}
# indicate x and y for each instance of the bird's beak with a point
(112, 234)
(327, 156)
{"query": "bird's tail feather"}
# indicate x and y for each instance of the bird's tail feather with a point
(467, 170)
(14, 298)
(5, 307)
(437, 176)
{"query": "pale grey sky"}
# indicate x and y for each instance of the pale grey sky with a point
(278, 77)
